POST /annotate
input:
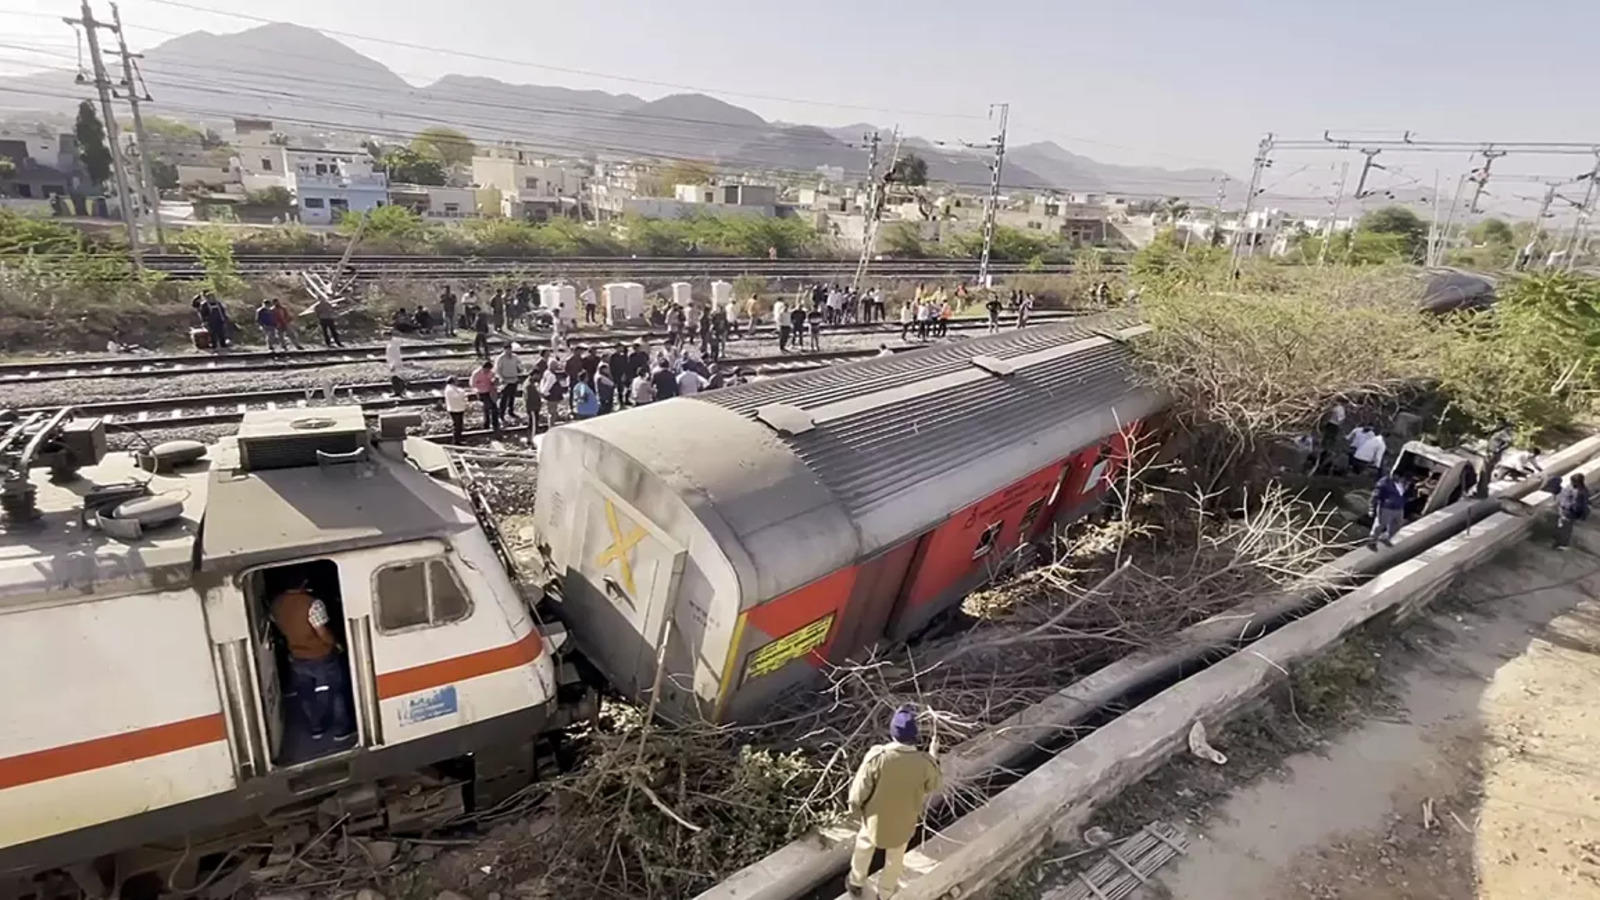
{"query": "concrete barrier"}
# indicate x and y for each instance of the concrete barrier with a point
(1056, 799)
(811, 860)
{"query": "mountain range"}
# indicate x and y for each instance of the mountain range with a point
(309, 82)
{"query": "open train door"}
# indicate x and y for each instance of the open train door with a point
(637, 566)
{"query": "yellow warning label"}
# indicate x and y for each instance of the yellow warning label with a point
(776, 654)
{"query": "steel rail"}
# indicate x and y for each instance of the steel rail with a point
(166, 365)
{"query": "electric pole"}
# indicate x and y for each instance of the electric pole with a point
(877, 188)
(1262, 160)
(1216, 220)
(1481, 177)
(1333, 219)
(102, 84)
(152, 195)
(994, 192)
(1585, 210)
(1449, 222)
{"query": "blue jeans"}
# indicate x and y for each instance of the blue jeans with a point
(322, 692)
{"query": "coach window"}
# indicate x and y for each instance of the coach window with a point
(986, 541)
(418, 594)
(1030, 516)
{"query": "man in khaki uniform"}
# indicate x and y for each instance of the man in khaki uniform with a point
(888, 794)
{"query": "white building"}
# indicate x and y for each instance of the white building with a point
(329, 183)
(530, 187)
(762, 197)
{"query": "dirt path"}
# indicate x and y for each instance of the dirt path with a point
(1487, 720)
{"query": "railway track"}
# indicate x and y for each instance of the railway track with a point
(374, 397)
(164, 366)
(185, 267)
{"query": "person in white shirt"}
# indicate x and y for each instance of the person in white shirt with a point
(1370, 452)
(690, 383)
(455, 403)
(907, 313)
(883, 350)
(508, 371)
(642, 390)
(394, 356)
(587, 298)
(730, 311)
(780, 318)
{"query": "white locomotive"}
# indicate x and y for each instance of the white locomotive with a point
(722, 547)
(145, 681)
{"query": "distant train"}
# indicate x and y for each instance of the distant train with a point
(755, 533)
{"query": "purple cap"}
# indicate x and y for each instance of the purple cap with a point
(903, 727)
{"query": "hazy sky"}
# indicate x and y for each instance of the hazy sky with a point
(1154, 82)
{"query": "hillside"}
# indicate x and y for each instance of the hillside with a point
(307, 81)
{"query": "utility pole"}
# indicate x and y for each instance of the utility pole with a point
(1216, 220)
(102, 84)
(152, 195)
(1449, 222)
(869, 222)
(994, 192)
(1433, 226)
(1366, 168)
(1262, 160)
(1585, 210)
(1532, 250)
(1482, 177)
(1333, 218)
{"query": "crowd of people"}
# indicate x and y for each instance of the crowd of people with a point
(571, 384)
(1398, 492)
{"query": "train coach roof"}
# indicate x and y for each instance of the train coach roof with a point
(882, 426)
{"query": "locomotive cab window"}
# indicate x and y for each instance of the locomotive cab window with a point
(986, 541)
(418, 594)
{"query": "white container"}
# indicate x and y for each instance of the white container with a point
(681, 294)
(721, 293)
(562, 301)
(624, 301)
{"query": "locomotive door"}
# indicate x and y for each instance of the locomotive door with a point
(637, 566)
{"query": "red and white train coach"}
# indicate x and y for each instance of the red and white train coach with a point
(763, 530)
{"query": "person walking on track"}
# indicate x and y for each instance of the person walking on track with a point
(483, 386)
(455, 404)
(888, 792)
(508, 372)
(327, 320)
(447, 306)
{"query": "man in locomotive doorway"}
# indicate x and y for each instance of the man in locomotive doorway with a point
(887, 794)
(317, 675)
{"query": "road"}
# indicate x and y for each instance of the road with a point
(1488, 718)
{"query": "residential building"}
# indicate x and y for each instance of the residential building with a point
(42, 168)
(436, 202)
(531, 187)
(328, 183)
(259, 155)
(763, 197)
(1071, 217)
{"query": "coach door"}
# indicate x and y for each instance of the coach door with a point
(638, 567)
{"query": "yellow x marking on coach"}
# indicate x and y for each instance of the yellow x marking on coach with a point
(621, 546)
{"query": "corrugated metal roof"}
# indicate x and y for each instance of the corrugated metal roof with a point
(869, 455)
(811, 389)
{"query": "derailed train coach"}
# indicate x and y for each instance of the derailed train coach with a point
(766, 530)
